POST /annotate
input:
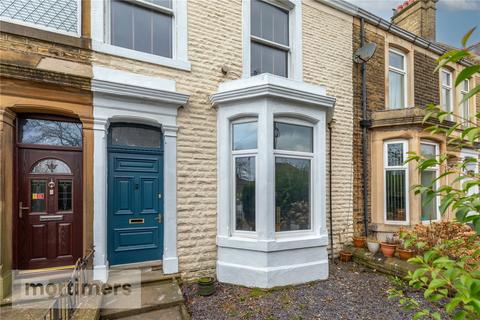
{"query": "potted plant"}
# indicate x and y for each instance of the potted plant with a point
(206, 286)
(345, 256)
(388, 247)
(358, 241)
(405, 250)
(372, 244)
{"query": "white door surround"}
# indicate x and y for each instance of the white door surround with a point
(264, 257)
(125, 97)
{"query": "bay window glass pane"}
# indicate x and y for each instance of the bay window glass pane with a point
(130, 136)
(429, 210)
(395, 195)
(269, 22)
(395, 154)
(265, 59)
(245, 193)
(244, 136)
(292, 194)
(465, 86)
(49, 132)
(396, 60)
(142, 29)
(428, 151)
(396, 88)
(293, 137)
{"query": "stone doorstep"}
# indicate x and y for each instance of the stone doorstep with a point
(154, 296)
(146, 276)
(392, 266)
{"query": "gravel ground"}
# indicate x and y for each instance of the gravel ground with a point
(351, 292)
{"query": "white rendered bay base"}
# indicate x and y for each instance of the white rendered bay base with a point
(270, 250)
(267, 269)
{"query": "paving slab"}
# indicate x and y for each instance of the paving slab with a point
(173, 313)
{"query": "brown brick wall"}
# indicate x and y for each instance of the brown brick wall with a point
(375, 102)
(426, 81)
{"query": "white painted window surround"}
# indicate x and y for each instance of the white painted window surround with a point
(120, 96)
(295, 65)
(101, 36)
(266, 258)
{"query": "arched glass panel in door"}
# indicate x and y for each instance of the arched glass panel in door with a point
(51, 166)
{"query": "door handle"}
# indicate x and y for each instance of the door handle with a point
(21, 208)
(159, 218)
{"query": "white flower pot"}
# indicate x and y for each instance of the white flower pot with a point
(373, 247)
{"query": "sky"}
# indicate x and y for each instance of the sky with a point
(454, 17)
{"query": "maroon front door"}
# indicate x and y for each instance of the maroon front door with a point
(49, 213)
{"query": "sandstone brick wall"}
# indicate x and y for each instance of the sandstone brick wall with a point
(426, 82)
(215, 39)
(375, 102)
(327, 54)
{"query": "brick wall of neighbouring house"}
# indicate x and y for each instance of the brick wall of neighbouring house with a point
(215, 39)
(426, 81)
(375, 102)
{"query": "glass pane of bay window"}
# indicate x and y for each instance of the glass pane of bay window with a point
(395, 195)
(244, 136)
(245, 193)
(446, 99)
(396, 88)
(429, 209)
(395, 154)
(292, 194)
(428, 151)
(293, 137)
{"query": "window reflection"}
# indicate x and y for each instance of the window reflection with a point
(49, 132)
(245, 193)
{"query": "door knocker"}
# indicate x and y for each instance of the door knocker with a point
(51, 186)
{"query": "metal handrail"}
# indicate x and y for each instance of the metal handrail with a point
(66, 303)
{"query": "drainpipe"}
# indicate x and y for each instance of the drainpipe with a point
(330, 210)
(364, 124)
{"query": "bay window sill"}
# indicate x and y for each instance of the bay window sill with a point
(141, 56)
(281, 244)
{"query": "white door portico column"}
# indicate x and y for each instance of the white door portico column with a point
(100, 199)
(170, 258)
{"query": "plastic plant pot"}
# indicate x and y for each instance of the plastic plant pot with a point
(206, 286)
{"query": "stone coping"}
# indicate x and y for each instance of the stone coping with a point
(392, 266)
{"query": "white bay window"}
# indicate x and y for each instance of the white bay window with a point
(430, 209)
(465, 87)
(271, 159)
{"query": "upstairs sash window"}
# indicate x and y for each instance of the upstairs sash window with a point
(446, 98)
(145, 26)
(270, 40)
(397, 80)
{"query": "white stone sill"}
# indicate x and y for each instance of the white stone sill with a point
(273, 245)
(141, 56)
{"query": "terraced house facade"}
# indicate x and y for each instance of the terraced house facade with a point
(205, 137)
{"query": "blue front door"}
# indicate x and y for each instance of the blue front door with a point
(135, 205)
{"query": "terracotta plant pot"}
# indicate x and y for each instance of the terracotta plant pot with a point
(373, 246)
(206, 286)
(405, 254)
(345, 256)
(359, 242)
(388, 250)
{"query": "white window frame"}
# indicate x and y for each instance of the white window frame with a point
(447, 87)
(386, 168)
(77, 34)
(468, 153)
(100, 28)
(239, 154)
(295, 66)
(435, 169)
(403, 72)
(296, 155)
(466, 104)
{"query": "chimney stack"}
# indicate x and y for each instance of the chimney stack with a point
(417, 16)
